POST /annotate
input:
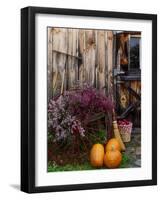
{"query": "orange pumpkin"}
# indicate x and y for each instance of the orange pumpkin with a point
(113, 144)
(112, 159)
(97, 155)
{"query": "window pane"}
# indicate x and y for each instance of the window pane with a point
(134, 53)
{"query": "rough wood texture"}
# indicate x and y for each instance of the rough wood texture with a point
(109, 59)
(101, 60)
(81, 49)
(90, 57)
(50, 71)
(59, 56)
(72, 61)
(124, 99)
(136, 86)
(80, 56)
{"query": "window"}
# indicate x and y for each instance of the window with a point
(134, 52)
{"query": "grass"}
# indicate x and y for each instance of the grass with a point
(70, 167)
(85, 166)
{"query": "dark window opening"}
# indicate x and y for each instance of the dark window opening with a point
(134, 56)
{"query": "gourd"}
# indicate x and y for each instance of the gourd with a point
(113, 144)
(113, 158)
(97, 155)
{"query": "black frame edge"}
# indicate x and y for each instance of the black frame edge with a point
(24, 100)
(92, 186)
(154, 99)
(92, 13)
(27, 101)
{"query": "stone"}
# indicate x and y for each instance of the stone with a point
(138, 151)
(133, 151)
(138, 162)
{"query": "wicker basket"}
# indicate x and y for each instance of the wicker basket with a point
(125, 131)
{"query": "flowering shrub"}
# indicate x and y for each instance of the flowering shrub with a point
(88, 101)
(61, 122)
(70, 114)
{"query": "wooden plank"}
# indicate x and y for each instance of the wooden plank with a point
(72, 62)
(60, 39)
(114, 50)
(49, 74)
(106, 63)
(96, 60)
(59, 43)
(109, 55)
(101, 60)
(120, 88)
(87, 50)
(81, 49)
(89, 60)
(136, 86)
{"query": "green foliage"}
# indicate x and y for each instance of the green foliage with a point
(52, 167)
(99, 137)
(125, 161)
(69, 167)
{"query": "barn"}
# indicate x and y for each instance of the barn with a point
(76, 56)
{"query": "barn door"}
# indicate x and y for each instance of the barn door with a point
(77, 57)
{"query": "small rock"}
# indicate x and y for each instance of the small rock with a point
(138, 163)
(131, 150)
(138, 151)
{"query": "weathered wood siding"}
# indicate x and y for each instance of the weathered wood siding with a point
(50, 65)
(78, 55)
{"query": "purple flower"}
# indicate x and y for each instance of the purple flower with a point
(68, 114)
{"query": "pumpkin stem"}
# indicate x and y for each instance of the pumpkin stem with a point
(112, 147)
